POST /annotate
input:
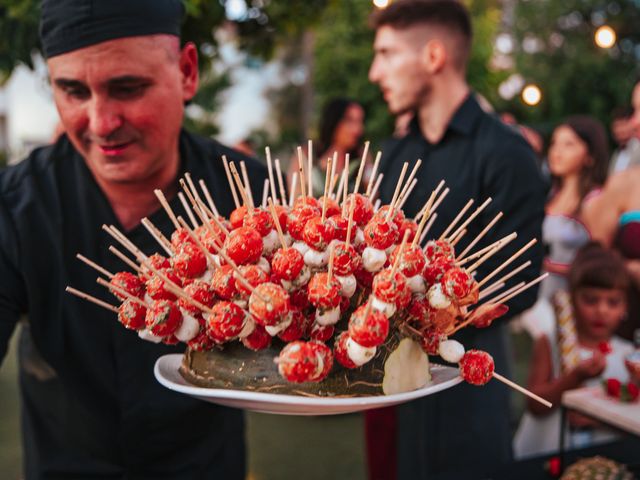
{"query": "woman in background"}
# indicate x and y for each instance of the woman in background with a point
(341, 129)
(578, 161)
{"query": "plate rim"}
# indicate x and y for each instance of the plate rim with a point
(172, 359)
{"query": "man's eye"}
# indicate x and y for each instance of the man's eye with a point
(128, 91)
(80, 93)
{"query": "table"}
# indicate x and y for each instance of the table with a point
(593, 402)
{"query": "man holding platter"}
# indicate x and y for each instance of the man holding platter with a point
(91, 407)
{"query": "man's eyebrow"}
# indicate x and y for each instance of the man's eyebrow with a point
(128, 79)
(68, 83)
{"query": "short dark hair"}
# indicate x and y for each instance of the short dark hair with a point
(449, 14)
(598, 267)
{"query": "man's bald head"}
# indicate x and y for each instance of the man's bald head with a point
(445, 20)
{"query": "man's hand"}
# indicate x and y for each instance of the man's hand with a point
(591, 367)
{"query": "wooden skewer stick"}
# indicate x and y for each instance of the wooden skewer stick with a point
(498, 298)
(440, 199)
(283, 192)
(340, 186)
(207, 195)
(524, 287)
(167, 208)
(375, 188)
(425, 217)
(276, 222)
(428, 227)
(193, 195)
(480, 235)
(265, 192)
(92, 299)
(157, 235)
(400, 252)
(192, 186)
(397, 192)
(454, 240)
(372, 177)
(409, 181)
(294, 185)
(468, 320)
(121, 291)
(247, 184)
(471, 217)
(352, 207)
(489, 254)
(507, 262)
(405, 197)
(484, 250)
(333, 178)
(377, 205)
(271, 177)
(241, 187)
(303, 187)
(456, 219)
(144, 260)
(310, 166)
(363, 162)
(424, 207)
(327, 179)
(332, 256)
(95, 266)
(187, 209)
(520, 389)
(125, 259)
(230, 180)
(506, 277)
(204, 214)
(346, 185)
(124, 241)
(491, 289)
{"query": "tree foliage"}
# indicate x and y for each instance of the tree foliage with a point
(555, 49)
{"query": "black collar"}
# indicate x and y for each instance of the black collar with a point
(463, 120)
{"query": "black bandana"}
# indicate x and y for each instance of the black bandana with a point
(68, 25)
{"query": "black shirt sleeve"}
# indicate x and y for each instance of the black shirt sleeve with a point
(12, 291)
(512, 180)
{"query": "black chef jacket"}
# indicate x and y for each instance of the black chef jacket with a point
(478, 157)
(91, 407)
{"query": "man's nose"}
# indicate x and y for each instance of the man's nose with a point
(373, 72)
(104, 118)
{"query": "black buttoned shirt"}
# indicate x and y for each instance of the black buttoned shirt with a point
(91, 407)
(478, 157)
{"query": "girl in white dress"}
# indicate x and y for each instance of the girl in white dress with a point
(581, 351)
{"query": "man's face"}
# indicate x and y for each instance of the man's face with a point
(398, 69)
(121, 103)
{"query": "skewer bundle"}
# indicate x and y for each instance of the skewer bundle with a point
(332, 278)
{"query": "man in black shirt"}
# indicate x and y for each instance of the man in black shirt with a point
(421, 52)
(91, 407)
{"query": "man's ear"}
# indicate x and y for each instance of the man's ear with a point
(189, 71)
(434, 56)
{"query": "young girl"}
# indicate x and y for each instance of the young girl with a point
(580, 352)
